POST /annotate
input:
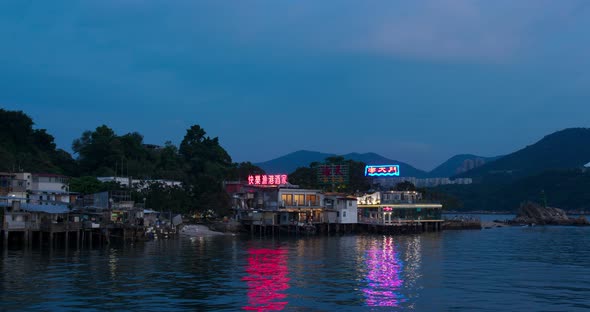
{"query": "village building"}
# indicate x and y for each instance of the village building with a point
(398, 208)
(345, 206)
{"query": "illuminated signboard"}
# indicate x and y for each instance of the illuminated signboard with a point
(267, 179)
(382, 171)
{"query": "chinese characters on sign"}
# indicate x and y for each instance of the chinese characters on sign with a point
(382, 171)
(267, 179)
(336, 173)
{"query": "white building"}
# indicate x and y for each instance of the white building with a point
(138, 184)
(389, 182)
(46, 188)
(388, 197)
(345, 206)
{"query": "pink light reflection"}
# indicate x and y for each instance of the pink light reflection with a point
(267, 279)
(383, 276)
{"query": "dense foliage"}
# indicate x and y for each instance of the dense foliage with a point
(547, 169)
(200, 163)
(25, 148)
(569, 148)
(566, 189)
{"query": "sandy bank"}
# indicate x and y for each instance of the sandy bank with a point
(198, 230)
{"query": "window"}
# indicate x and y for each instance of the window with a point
(299, 199)
(287, 199)
(311, 199)
(343, 214)
(337, 214)
(350, 203)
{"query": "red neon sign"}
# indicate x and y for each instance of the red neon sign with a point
(267, 179)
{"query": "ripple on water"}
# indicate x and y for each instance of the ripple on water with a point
(532, 269)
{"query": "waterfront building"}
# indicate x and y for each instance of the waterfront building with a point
(277, 204)
(10, 186)
(36, 188)
(345, 206)
(391, 182)
(397, 207)
(138, 184)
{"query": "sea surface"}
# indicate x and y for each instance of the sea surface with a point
(499, 269)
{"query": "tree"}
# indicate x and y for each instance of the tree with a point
(104, 153)
(98, 151)
(305, 177)
(24, 148)
(87, 185)
(207, 165)
(241, 171)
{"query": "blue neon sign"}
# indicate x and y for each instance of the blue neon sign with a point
(382, 171)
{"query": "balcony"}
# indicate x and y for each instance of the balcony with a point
(15, 225)
(295, 204)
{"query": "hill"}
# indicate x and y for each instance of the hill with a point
(569, 148)
(405, 169)
(565, 189)
(459, 164)
(24, 148)
(290, 162)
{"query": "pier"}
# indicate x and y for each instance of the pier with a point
(59, 226)
(298, 228)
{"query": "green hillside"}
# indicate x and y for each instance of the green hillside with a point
(569, 148)
(459, 164)
(25, 148)
(565, 189)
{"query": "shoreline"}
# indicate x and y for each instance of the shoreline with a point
(198, 230)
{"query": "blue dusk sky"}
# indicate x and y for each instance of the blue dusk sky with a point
(417, 81)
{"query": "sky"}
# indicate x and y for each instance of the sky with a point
(415, 81)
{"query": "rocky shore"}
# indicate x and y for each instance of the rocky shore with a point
(530, 213)
(462, 224)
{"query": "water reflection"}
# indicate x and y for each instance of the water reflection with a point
(267, 279)
(383, 275)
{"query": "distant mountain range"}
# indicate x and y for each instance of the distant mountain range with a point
(550, 170)
(569, 148)
(455, 165)
(565, 149)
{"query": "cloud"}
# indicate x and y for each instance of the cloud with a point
(470, 30)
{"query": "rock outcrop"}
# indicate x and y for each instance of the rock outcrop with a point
(533, 213)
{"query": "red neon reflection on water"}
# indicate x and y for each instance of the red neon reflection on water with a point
(383, 276)
(267, 279)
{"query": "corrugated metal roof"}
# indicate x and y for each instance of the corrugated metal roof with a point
(46, 208)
